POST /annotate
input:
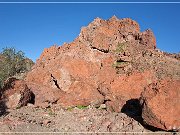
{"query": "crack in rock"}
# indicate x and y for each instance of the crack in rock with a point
(55, 81)
(101, 50)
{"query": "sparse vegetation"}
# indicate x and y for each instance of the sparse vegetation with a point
(78, 106)
(81, 107)
(70, 108)
(51, 113)
(121, 47)
(12, 62)
(119, 64)
(18, 107)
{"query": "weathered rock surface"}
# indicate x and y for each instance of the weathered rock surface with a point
(110, 62)
(160, 102)
(16, 94)
(124, 88)
(76, 71)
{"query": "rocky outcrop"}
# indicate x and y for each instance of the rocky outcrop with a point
(16, 94)
(76, 71)
(110, 62)
(160, 103)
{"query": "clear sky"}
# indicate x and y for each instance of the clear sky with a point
(33, 27)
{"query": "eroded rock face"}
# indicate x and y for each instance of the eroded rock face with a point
(160, 102)
(81, 93)
(16, 93)
(110, 62)
(72, 74)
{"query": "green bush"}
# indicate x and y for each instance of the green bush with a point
(81, 107)
(12, 62)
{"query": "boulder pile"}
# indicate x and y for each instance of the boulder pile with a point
(110, 62)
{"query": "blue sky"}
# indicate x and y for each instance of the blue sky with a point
(33, 27)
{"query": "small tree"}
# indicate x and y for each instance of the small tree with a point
(12, 62)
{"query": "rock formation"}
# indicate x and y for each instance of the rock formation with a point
(160, 102)
(110, 62)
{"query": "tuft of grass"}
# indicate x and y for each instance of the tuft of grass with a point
(51, 112)
(81, 107)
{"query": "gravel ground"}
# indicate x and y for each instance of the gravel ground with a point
(33, 120)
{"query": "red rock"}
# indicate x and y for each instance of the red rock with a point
(16, 93)
(71, 74)
(124, 88)
(81, 93)
(44, 96)
(110, 62)
(160, 102)
(148, 39)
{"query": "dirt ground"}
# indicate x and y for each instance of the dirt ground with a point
(89, 120)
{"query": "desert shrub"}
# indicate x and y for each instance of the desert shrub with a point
(3, 77)
(12, 62)
(121, 47)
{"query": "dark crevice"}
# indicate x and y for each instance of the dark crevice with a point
(121, 60)
(100, 92)
(32, 101)
(55, 102)
(133, 109)
(101, 50)
(55, 81)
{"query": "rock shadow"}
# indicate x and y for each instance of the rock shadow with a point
(133, 109)
(32, 101)
(3, 108)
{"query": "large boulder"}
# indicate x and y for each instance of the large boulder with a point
(161, 104)
(79, 93)
(124, 88)
(15, 93)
